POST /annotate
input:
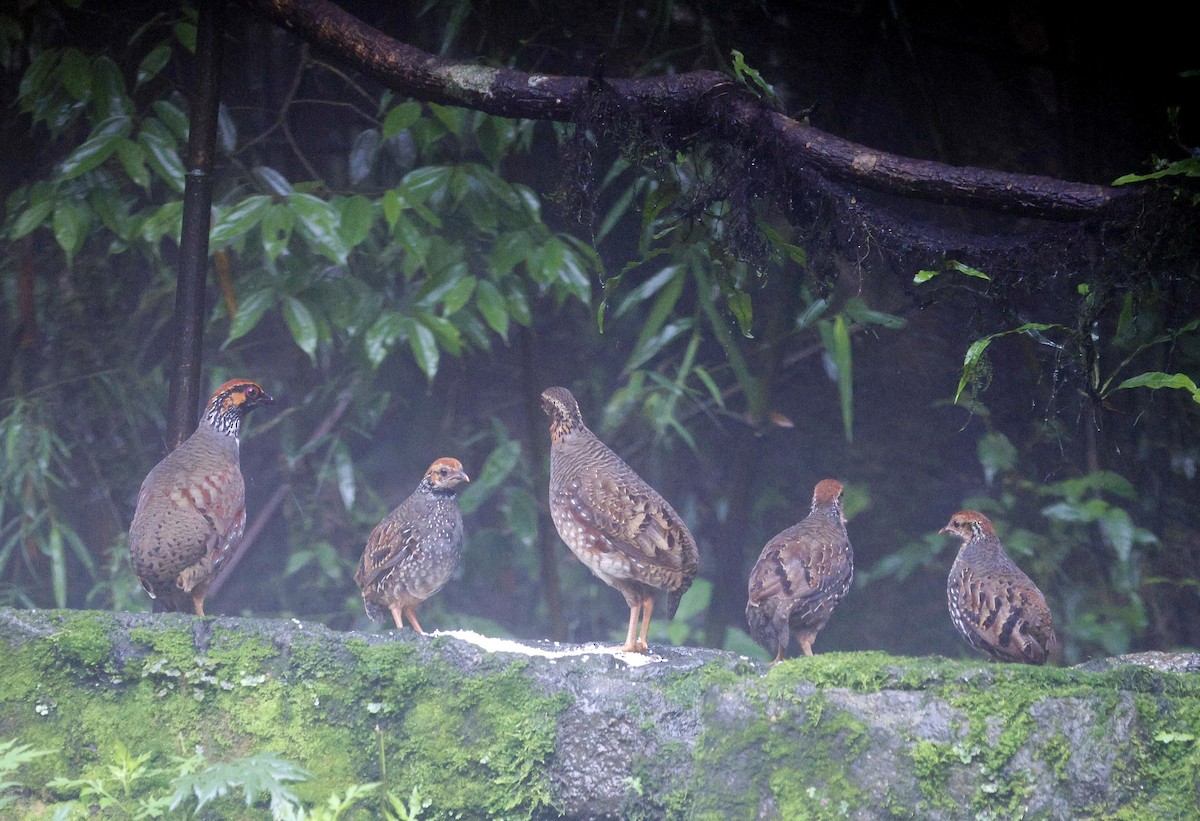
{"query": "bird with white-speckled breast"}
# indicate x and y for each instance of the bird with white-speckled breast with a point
(412, 553)
(615, 523)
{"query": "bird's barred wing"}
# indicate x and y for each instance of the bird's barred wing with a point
(391, 542)
(634, 519)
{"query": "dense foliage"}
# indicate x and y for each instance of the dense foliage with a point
(405, 278)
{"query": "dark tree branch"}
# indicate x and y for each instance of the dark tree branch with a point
(691, 102)
(183, 404)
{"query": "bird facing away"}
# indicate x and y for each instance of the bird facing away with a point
(412, 553)
(801, 575)
(615, 523)
(993, 604)
(191, 510)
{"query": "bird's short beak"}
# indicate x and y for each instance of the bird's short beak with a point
(945, 531)
(462, 475)
(266, 399)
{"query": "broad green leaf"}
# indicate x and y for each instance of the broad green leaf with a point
(133, 160)
(493, 306)
(1073, 490)
(518, 304)
(301, 323)
(401, 117)
(249, 311)
(924, 276)
(108, 89)
(173, 118)
(458, 294)
(392, 203)
(357, 216)
(420, 184)
(362, 155)
(71, 223)
(75, 71)
(272, 180)
(1117, 529)
(812, 313)
(997, 455)
(233, 222)
(153, 63)
(446, 336)
(1188, 167)
(97, 148)
(185, 33)
(31, 218)
(276, 228)
(572, 272)
(425, 349)
(318, 222)
(496, 469)
(164, 159)
(166, 221)
(741, 308)
(382, 335)
(1085, 511)
(1157, 379)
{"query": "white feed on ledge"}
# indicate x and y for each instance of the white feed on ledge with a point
(492, 645)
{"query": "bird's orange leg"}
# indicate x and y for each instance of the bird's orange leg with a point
(630, 641)
(778, 656)
(647, 609)
(198, 599)
(806, 646)
(397, 615)
(411, 610)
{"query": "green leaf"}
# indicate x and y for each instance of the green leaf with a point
(1157, 379)
(97, 148)
(276, 229)
(71, 223)
(231, 223)
(392, 204)
(648, 348)
(424, 348)
(1117, 529)
(496, 469)
(133, 160)
(164, 158)
(997, 455)
(108, 89)
(493, 306)
(1188, 167)
(173, 118)
(260, 774)
(648, 288)
(458, 294)
(924, 276)
(742, 310)
(32, 217)
(153, 63)
(750, 77)
(318, 223)
(401, 117)
(185, 33)
(75, 71)
(975, 351)
(249, 311)
(303, 326)
(362, 155)
(420, 184)
(165, 221)
(272, 180)
(357, 216)
(835, 334)
(856, 308)
(518, 304)
(968, 270)
(382, 335)
(1084, 512)
(695, 601)
(344, 468)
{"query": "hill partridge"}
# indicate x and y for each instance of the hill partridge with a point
(412, 553)
(613, 521)
(995, 606)
(801, 575)
(191, 509)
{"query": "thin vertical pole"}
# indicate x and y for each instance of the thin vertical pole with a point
(193, 246)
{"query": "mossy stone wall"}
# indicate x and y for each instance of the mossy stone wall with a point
(702, 734)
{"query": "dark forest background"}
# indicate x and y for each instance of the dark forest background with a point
(405, 278)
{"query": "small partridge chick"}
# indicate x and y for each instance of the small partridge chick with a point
(412, 553)
(191, 510)
(613, 521)
(995, 606)
(801, 576)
